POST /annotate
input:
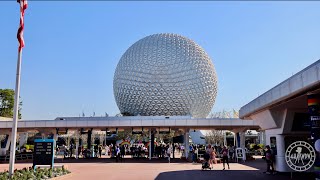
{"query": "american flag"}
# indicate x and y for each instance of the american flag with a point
(23, 6)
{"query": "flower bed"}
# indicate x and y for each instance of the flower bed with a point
(39, 174)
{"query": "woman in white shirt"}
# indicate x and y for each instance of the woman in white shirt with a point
(107, 150)
(169, 152)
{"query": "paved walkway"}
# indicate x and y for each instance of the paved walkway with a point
(132, 169)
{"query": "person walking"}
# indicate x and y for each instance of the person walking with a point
(225, 158)
(100, 150)
(65, 151)
(79, 151)
(269, 160)
(182, 150)
(214, 155)
(209, 152)
(107, 150)
(118, 153)
(169, 152)
(57, 150)
(231, 152)
(123, 151)
(195, 155)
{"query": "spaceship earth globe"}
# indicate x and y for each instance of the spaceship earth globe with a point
(165, 75)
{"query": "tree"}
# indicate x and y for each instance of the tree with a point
(2, 137)
(224, 114)
(228, 133)
(166, 137)
(215, 137)
(126, 134)
(7, 103)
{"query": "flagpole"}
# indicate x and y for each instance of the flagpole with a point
(15, 116)
(23, 5)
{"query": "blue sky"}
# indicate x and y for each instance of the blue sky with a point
(73, 47)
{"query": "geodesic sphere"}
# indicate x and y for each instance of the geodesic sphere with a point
(165, 75)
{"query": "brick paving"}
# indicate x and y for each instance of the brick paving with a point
(143, 169)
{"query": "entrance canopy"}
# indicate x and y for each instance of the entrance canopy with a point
(178, 122)
(285, 106)
(294, 89)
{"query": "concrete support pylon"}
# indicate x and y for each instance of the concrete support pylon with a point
(262, 137)
(8, 142)
(55, 139)
(186, 142)
(242, 139)
(77, 143)
(225, 138)
(89, 139)
(23, 137)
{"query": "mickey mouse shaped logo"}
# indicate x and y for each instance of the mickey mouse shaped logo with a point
(300, 156)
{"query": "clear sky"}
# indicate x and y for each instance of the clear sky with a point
(73, 47)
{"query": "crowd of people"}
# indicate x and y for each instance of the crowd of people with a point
(69, 151)
(210, 153)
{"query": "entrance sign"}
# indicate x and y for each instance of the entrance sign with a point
(43, 152)
(300, 156)
(313, 110)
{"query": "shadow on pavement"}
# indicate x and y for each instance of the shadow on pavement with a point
(229, 175)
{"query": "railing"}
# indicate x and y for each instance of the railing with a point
(18, 157)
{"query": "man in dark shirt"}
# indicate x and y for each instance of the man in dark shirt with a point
(100, 150)
(269, 159)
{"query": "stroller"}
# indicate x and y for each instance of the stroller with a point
(205, 164)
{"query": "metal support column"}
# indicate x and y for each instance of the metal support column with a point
(150, 134)
(77, 143)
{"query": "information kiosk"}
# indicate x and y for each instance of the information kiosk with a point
(43, 152)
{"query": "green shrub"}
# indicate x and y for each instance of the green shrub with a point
(251, 146)
(29, 173)
(261, 146)
(29, 147)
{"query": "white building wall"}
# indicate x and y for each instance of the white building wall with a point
(196, 137)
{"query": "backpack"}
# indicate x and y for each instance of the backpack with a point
(224, 152)
(268, 156)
